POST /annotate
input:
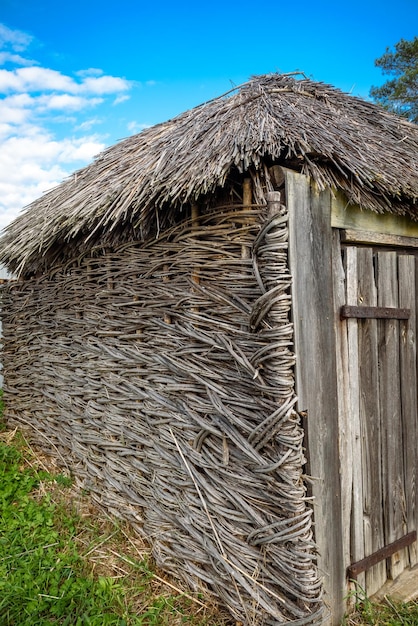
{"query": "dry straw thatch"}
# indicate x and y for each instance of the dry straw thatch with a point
(341, 141)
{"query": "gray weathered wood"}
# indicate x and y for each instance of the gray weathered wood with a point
(371, 461)
(345, 440)
(381, 239)
(356, 525)
(247, 198)
(316, 381)
(408, 374)
(354, 217)
(390, 398)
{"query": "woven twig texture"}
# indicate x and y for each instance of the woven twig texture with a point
(162, 374)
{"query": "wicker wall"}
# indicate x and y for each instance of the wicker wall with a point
(162, 373)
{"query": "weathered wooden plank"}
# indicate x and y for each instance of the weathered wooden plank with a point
(356, 526)
(390, 410)
(373, 529)
(407, 298)
(354, 217)
(316, 380)
(247, 198)
(378, 239)
(345, 440)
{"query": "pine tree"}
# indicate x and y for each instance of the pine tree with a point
(400, 94)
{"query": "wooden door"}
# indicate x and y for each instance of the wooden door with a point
(379, 323)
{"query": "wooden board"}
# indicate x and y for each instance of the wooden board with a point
(353, 217)
(373, 530)
(310, 258)
(391, 411)
(344, 416)
(378, 239)
(408, 374)
(356, 519)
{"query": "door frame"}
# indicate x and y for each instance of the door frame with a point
(319, 222)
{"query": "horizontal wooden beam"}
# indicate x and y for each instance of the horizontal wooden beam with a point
(349, 235)
(374, 312)
(344, 215)
(384, 553)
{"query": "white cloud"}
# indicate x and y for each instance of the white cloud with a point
(136, 127)
(36, 79)
(32, 164)
(15, 39)
(103, 84)
(41, 150)
(91, 71)
(40, 143)
(121, 99)
(88, 124)
(81, 151)
(15, 109)
(67, 102)
(16, 59)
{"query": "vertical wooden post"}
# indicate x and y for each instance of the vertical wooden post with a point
(391, 411)
(89, 280)
(273, 203)
(195, 226)
(310, 260)
(345, 406)
(407, 299)
(195, 270)
(138, 331)
(77, 301)
(353, 399)
(247, 199)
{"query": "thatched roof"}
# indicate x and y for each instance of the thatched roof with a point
(339, 140)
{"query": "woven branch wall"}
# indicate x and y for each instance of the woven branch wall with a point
(162, 373)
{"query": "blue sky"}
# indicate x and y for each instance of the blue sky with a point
(76, 78)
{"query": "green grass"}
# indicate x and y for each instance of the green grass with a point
(42, 578)
(71, 565)
(388, 612)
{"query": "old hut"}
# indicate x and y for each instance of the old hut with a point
(217, 308)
